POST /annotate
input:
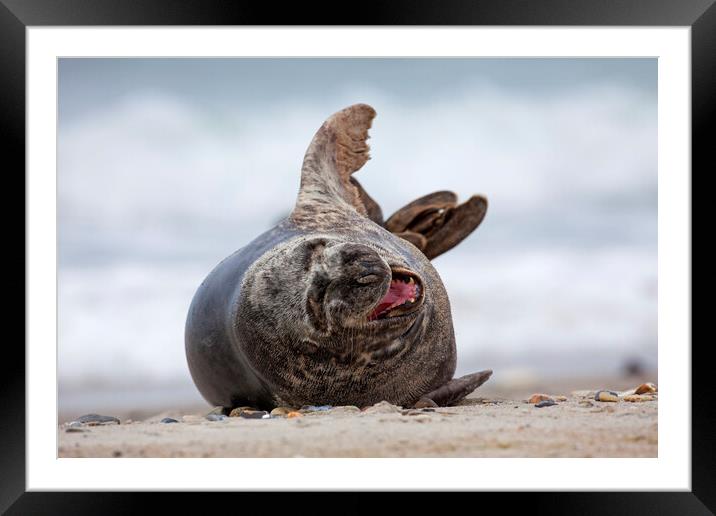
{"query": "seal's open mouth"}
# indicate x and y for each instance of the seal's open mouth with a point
(405, 293)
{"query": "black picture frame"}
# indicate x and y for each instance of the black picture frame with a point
(17, 15)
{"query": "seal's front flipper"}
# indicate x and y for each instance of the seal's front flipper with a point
(439, 219)
(456, 389)
(338, 149)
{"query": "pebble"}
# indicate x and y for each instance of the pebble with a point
(215, 417)
(536, 398)
(645, 388)
(609, 396)
(293, 414)
(96, 419)
(254, 414)
(560, 398)
(316, 408)
(236, 412)
(382, 407)
(425, 403)
(169, 420)
(639, 397)
(281, 411)
(545, 403)
(72, 429)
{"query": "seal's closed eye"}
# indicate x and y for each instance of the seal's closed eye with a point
(311, 252)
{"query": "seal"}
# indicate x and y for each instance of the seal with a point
(335, 305)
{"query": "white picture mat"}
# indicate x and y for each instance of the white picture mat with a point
(672, 468)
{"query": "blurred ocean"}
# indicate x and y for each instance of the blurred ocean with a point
(156, 186)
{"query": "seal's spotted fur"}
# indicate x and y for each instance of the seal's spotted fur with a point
(291, 318)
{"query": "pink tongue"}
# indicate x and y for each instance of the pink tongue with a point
(398, 294)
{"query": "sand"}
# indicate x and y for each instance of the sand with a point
(482, 426)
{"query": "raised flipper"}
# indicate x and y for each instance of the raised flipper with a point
(338, 149)
(434, 202)
(434, 223)
(455, 390)
(439, 220)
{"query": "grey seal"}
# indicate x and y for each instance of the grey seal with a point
(335, 305)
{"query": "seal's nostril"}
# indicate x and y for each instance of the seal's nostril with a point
(369, 278)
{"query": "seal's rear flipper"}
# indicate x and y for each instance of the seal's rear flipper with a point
(439, 220)
(426, 205)
(338, 149)
(456, 389)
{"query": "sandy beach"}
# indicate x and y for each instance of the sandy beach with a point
(487, 424)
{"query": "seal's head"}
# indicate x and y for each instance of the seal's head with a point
(336, 319)
(351, 284)
(345, 312)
